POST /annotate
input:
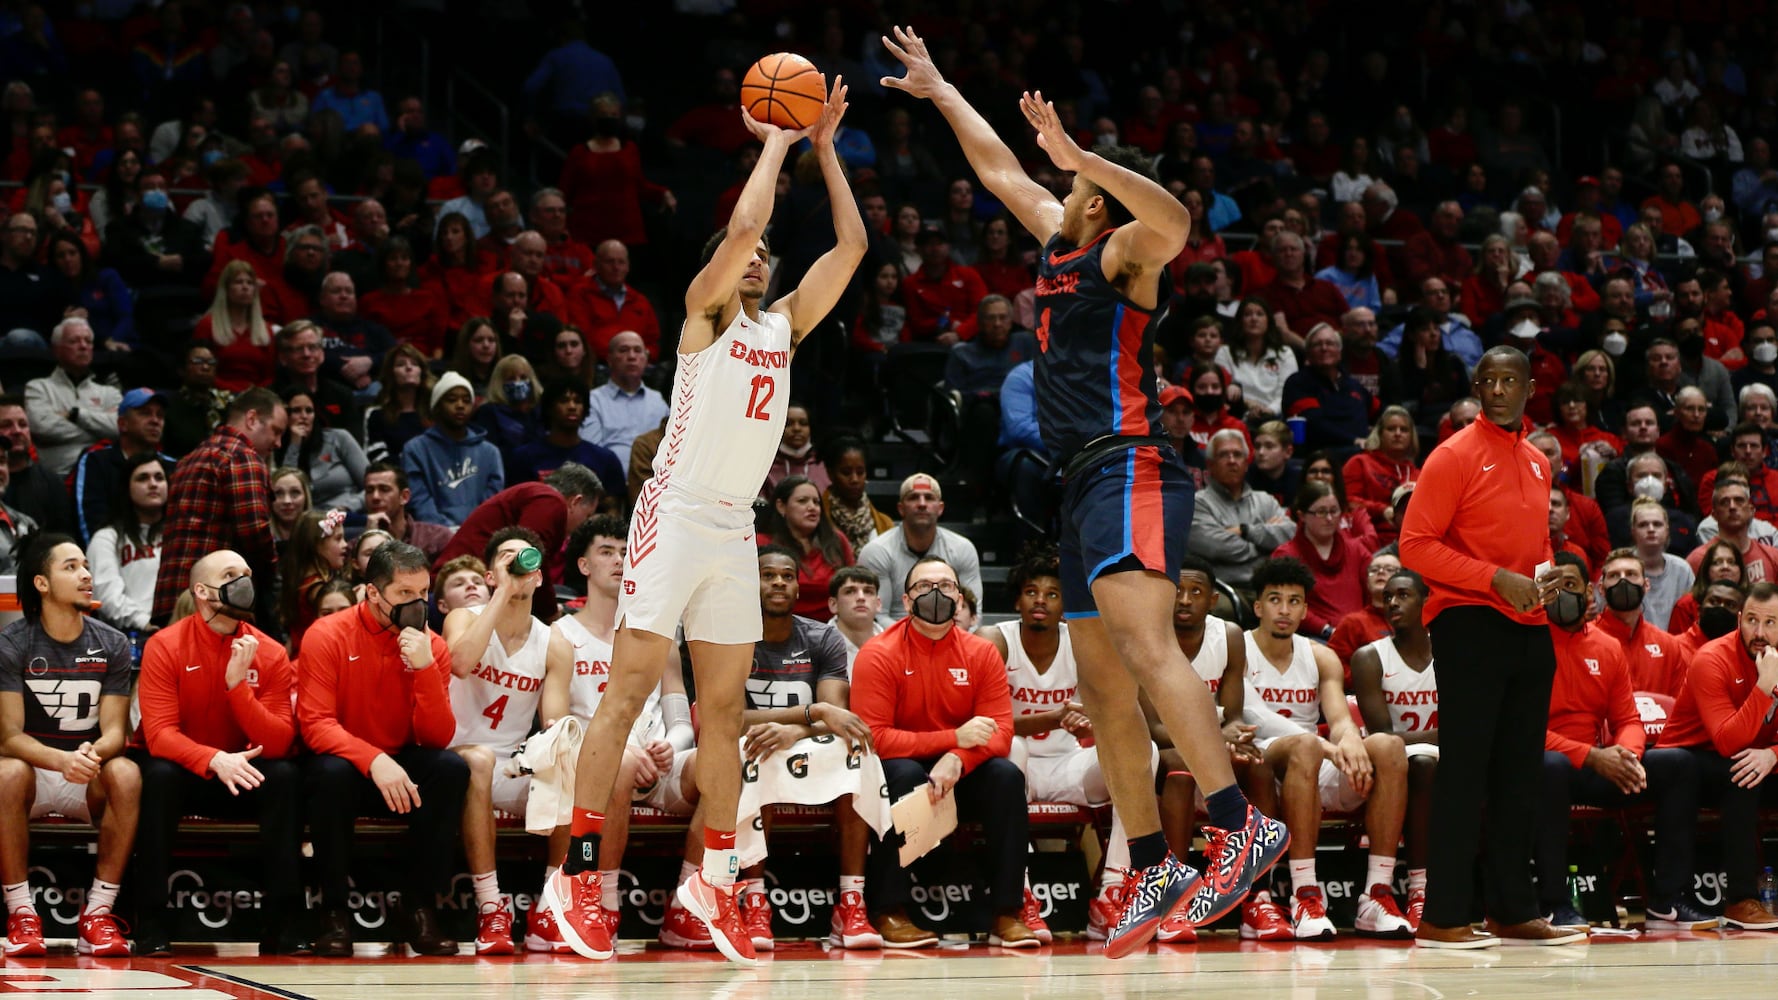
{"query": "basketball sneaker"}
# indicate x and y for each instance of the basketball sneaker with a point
(1379, 916)
(1264, 920)
(851, 926)
(101, 936)
(1031, 915)
(574, 902)
(682, 930)
(24, 934)
(1416, 907)
(1176, 930)
(1233, 860)
(613, 919)
(1679, 915)
(720, 912)
(541, 934)
(1150, 896)
(493, 930)
(756, 916)
(1103, 910)
(1308, 916)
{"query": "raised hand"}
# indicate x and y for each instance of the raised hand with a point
(923, 79)
(831, 113)
(1064, 152)
(767, 132)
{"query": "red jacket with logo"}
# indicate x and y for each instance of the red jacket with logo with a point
(1480, 505)
(913, 693)
(956, 291)
(1591, 701)
(357, 699)
(1657, 660)
(1721, 707)
(188, 711)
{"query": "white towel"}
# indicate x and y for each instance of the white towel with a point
(812, 771)
(549, 758)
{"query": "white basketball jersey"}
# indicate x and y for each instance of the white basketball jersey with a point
(1213, 655)
(1034, 692)
(1412, 695)
(592, 671)
(728, 411)
(1295, 693)
(497, 703)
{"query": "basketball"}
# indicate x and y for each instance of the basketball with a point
(785, 90)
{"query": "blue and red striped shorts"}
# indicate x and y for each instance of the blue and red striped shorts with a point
(1130, 512)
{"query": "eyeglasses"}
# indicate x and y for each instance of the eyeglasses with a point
(202, 362)
(947, 587)
(1335, 512)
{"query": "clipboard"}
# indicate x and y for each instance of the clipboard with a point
(923, 822)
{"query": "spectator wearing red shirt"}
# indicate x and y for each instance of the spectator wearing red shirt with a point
(1386, 221)
(1371, 622)
(237, 332)
(413, 314)
(796, 525)
(1559, 540)
(1723, 330)
(941, 296)
(1257, 270)
(552, 509)
(1678, 216)
(1591, 698)
(605, 305)
(1436, 252)
(1147, 128)
(1003, 273)
(1724, 717)
(1733, 510)
(1747, 448)
(1546, 258)
(374, 708)
(255, 239)
(310, 195)
(1484, 291)
(715, 124)
(1387, 463)
(457, 271)
(1586, 526)
(88, 134)
(940, 715)
(1338, 561)
(217, 731)
(1305, 301)
(1587, 205)
(1451, 144)
(603, 182)
(1656, 660)
(565, 258)
(1685, 443)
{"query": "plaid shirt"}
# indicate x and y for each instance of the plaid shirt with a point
(220, 498)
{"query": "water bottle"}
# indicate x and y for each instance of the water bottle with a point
(136, 649)
(1574, 888)
(528, 560)
(1768, 889)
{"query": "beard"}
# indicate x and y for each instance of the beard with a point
(1039, 626)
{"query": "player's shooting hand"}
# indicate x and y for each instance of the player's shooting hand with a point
(831, 113)
(768, 133)
(1064, 152)
(923, 80)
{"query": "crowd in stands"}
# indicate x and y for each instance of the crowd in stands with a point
(263, 322)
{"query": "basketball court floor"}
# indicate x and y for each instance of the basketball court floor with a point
(1613, 965)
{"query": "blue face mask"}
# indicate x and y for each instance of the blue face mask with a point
(518, 391)
(211, 156)
(156, 200)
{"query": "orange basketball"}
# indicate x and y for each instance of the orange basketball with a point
(785, 90)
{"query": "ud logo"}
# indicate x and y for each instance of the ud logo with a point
(630, 587)
(1593, 667)
(1654, 649)
(797, 765)
(750, 772)
(960, 676)
(855, 757)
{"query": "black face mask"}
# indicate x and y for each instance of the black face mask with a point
(935, 607)
(1716, 622)
(1624, 595)
(1207, 402)
(608, 128)
(236, 598)
(1568, 609)
(409, 615)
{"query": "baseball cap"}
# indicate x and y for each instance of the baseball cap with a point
(470, 146)
(921, 482)
(1587, 181)
(138, 398)
(1175, 394)
(447, 382)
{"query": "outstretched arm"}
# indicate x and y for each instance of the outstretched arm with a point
(1162, 223)
(821, 286)
(1037, 210)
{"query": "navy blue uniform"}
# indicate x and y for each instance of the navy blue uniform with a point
(1130, 507)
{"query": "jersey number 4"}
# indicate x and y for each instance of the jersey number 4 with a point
(763, 388)
(1411, 722)
(1043, 332)
(496, 711)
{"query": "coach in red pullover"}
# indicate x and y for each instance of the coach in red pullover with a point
(1657, 660)
(1592, 696)
(940, 715)
(374, 709)
(216, 737)
(1725, 718)
(1473, 531)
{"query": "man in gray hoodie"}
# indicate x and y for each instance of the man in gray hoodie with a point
(452, 467)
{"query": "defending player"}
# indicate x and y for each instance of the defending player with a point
(1127, 504)
(691, 554)
(500, 659)
(1397, 693)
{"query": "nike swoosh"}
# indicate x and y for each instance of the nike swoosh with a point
(1486, 468)
(800, 652)
(459, 481)
(195, 666)
(1388, 675)
(910, 673)
(1740, 680)
(1054, 260)
(352, 659)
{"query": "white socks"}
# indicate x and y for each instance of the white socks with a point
(1117, 853)
(1380, 871)
(18, 896)
(487, 891)
(1416, 880)
(1302, 873)
(851, 883)
(610, 896)
(100, 898)
(686, 870)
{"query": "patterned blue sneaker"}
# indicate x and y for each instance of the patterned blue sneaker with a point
(1150, 896)
(1233, 859)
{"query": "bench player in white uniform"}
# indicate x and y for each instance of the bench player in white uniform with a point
(1304, 682)
(690, 559)
(1218, 653)
(1397, 693)
(657, 758)
(500, 656)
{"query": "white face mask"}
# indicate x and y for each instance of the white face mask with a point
(1712, 214)
(1772, 235)
(1105, 139)
(1765, 352)
(1652, 487)
(1615, 344)
(61, 202)
(1525, 329)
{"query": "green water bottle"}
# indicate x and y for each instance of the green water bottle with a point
(527, 560)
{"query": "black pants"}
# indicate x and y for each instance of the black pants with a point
(338, 795)
(1494, 679)
(1740, 820)
(169, 791)
(1672, 787)
(994, 795)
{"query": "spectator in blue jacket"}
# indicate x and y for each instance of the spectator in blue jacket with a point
(1337, 410)
(452, 467)
(410, 139)
(108, 303)
(559, 414)
(559, 89)
(355, 105)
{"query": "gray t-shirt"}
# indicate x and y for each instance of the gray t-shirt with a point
(63, 682)
(1665, 590)
(888, 556)
(785, 674)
